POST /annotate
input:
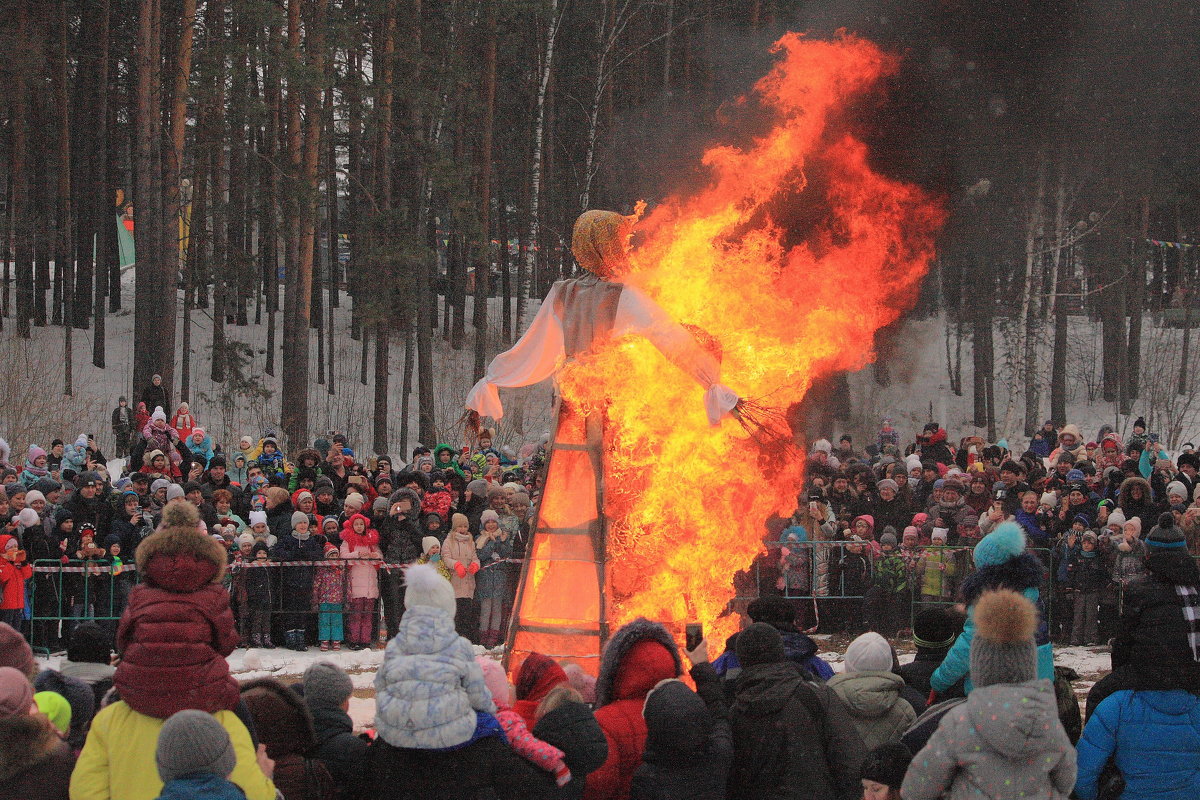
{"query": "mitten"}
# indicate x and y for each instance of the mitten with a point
(460, 570)
(473, 568)
(562, 775)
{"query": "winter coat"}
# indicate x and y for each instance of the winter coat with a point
(792, 740)
(572, 728)
(689, 747)
(1005, 741)
(1129, 563)
(491, 582)
(283, 723)
(329, 582)
(34, 763)
(1152, 635)
(1086, 573)
(117, 762)
(873, 699)
(201, 785)
(798, 648)
(363, 580)
(1154, 737)
(257, 583)
(938, 572)
(342, 753)
(297, 581)
(12, 582)
(636, 658)
(178, 628)
(917, 673)
(203, 451)
(459, 548)
(473, 772)
(1145, 508)
(429, 686)
(1022, 574)
(400, 540)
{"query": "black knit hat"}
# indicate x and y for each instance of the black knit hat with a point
(936, 628)
(759, 644)
(887, 764)
(773, 610)
(89, 644)
(1165, 535)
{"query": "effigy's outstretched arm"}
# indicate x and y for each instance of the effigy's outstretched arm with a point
(637, 313)
(535, 357)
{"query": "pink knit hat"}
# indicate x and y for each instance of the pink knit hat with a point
(496, 680)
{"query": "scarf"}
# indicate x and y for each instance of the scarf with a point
(32, 470)
(365, 540)
(303, 537)
(1191, 613)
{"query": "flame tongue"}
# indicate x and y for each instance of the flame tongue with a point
(687, 502)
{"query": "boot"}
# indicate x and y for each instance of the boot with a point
(324, 646)
(295, 640)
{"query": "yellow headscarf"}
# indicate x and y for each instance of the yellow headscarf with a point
(599, 242)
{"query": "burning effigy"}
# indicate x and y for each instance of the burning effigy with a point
(654, 496)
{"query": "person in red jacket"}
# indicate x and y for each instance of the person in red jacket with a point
(636, 658)
(178, 627)
(14, 571)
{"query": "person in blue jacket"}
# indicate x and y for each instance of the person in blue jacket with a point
(1001, 562)
(1153, 738)
(799, 648)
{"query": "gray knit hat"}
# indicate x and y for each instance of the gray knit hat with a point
(326, 685)
(1003, 650)
(193, 741)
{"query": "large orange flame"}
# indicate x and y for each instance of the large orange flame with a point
(687, 502)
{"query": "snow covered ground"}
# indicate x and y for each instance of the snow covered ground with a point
(1091, 663)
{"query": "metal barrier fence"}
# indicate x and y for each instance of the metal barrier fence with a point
(837, 586)
(843, 586)
(269, 594)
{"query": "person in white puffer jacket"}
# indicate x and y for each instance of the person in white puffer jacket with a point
(429, 692)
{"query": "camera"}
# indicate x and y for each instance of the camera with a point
(815, 497)
(1000, 494)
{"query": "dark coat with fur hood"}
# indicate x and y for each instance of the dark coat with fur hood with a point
(178, 626)
(1145, 509)
(636, 658)
(34, 763)
(285, 725)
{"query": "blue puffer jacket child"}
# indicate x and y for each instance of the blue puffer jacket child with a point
(429, 688)
(1001, 563)
(1155, 738)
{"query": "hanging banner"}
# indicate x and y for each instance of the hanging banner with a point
(1173, 245)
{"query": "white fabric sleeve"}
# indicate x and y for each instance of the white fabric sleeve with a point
(637, 313)
(535, 357)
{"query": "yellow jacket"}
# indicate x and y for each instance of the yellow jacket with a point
(117, 762)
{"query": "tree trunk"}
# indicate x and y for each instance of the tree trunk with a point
(1035, 230)
(304, 147)
(527, 266)
(505, 272)
(1137, 302)
(982, 367)
(484, 269)
(21, 209)
(66, 237)
(385, 58)
(154, 300)
(101, 220)
(268, 219)
(219, 175)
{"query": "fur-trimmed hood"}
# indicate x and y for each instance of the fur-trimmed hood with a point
(623, 678)
(282, 718)
(178, 557)
(1020, 573)
(1125, 499)
(25, 742)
